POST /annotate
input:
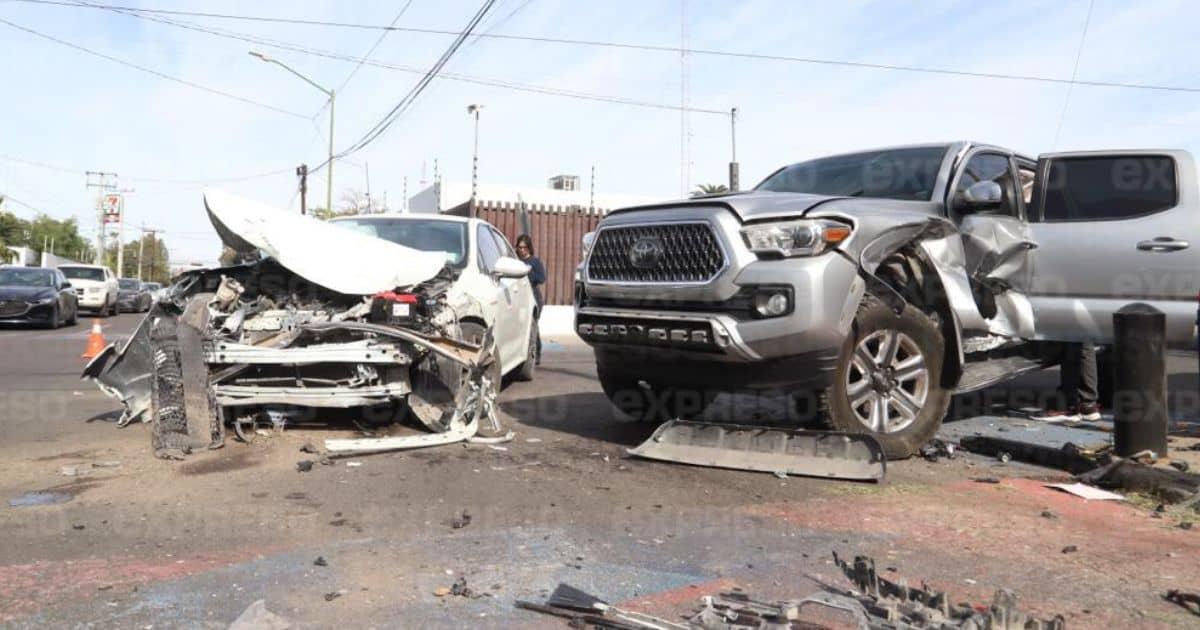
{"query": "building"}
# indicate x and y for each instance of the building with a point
(556, 218)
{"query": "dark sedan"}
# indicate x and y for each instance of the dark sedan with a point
(133, 296)
(33, 295)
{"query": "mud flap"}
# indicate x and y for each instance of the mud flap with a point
(828, 454)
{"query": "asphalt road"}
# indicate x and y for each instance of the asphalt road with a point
(145, 543)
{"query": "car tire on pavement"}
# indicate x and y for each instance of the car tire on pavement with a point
(525, 371)
(888, 380)
(645, 402)
(55, 319)
(74, 316)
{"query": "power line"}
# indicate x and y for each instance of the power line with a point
(149, 180)
(404, 103)
(464, 78)
(632, 46)
(156, 73)
(374, 46)
(1087, 19)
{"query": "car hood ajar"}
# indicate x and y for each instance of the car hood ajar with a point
(750, 205)
(25, 293)
(323, 253)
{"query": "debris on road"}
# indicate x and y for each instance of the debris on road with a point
(335, 594)
(320, 562)
(304, 465)
(1068, 457)
(1070, 549)
(827, 454)
(257, 617)
(936, 449)
(582, 608)
(1189, 601)
(461, 521)
(1087, 492)
(1169, 485)
(985, 479)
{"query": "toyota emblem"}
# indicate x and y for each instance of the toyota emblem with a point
(646, 252)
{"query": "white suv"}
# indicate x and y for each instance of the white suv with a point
(96, 287)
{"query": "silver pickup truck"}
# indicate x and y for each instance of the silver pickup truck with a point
(886, 281)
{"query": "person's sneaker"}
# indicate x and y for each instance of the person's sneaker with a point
(1089, 411)
(1058, 415)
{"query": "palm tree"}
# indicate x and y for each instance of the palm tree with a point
(710, 189)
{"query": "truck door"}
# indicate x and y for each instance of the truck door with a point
(1114, 227)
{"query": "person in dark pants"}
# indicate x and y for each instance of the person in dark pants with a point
(1078, 384)
(537, 277)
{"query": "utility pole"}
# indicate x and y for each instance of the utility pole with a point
(592, 194)
(302, 173)
(473, 109)
(404, 196)
(437, 187)
(367, 171)
(102, 181)
(141, 251)
(733, 163)
(121, 234)
(330, 94)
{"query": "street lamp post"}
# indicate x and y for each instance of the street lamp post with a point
(330, 94)
(474, 110)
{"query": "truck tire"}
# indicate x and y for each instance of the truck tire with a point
(649, 403)
(888, 380)
(525, 371)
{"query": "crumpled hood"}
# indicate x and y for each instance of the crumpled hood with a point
(25, 293)
(749, 205)
(323, 253)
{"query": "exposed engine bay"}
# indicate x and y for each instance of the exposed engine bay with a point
(258, 343)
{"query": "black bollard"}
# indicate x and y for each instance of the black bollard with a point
(1140, 380)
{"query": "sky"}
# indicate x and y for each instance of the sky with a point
(69, 111)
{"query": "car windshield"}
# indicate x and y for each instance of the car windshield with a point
(83, 273)
(129, 284)
(428, 235)
(26, 277)
(907, 174)
(153, 286)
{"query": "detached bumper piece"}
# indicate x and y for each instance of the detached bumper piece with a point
(854, 457)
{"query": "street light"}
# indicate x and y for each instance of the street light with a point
(473, 109)
(329, 93)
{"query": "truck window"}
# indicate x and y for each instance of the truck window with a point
(1109, 188)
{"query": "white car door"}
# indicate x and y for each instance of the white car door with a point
(522, 304)
(499, 299)
(1113, 228)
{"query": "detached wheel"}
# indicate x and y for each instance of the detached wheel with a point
(888, 379)
(645, 402)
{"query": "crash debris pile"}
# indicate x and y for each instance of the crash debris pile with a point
(875, 604)
(263, 342)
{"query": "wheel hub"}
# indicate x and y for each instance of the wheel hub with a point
(887, 382)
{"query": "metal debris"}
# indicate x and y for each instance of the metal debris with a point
(461, 521)
(257, 617)
(827, 454)
(304, 465)
(1189, 601)
(936, 449)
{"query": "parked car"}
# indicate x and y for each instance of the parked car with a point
(35, 295)
(133, 296)
(386, 317)
(885, 281)
(153, 288)
(96, 286)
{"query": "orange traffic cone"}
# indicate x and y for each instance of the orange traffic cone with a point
(96, 343)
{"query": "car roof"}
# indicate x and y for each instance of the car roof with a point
(377, 217)
(82, 266)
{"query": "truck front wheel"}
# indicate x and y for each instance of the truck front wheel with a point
(888, 379)
(645, 402)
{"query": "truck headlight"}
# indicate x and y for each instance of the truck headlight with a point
(585, 244)
(803, 237)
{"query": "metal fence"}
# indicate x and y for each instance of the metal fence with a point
(556, 231)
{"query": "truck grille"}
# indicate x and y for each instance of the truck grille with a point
(657, 253)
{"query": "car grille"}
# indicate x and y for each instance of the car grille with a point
(8, 308)
(686, 253)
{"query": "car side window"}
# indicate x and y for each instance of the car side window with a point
(983, 167)
(502, 243)
(1108, 188)
(489, 252)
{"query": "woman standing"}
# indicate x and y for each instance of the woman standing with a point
(537, 277)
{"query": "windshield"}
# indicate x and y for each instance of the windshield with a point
(83, 273)
(129, 284)
(906, 174)
(153, 286)
(446, 237)
(26, 277)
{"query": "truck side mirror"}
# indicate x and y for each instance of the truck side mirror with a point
(979, 197)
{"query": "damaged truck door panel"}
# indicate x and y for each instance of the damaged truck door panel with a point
(880, 283)
(322, 317)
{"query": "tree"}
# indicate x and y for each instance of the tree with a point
(155, 267)
(710, 189)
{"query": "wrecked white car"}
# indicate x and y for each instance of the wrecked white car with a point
(323, 318)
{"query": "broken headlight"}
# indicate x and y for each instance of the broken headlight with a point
(804, 237)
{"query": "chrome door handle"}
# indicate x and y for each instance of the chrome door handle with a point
(1162, 244)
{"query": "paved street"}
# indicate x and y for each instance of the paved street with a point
(153, 543)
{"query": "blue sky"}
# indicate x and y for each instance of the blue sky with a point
(68, 109)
